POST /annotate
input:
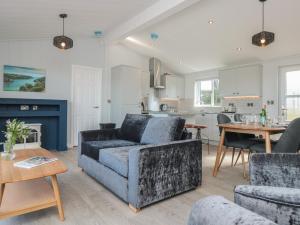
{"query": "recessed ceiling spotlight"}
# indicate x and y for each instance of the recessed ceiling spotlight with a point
(211, 21)
(239, 49)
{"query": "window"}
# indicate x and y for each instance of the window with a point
(290, 92)
(206, 93)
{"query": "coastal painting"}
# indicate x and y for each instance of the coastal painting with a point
(23, 79)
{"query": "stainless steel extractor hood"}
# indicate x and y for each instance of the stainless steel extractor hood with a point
(156, 80)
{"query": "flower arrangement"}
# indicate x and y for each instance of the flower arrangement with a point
(15, 130)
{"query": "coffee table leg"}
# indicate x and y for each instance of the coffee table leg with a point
(2, 187)
(57, 197)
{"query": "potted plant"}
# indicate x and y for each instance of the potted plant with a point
(15, 130)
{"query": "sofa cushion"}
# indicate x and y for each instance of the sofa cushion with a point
(279, 195)
(161, 130)
(91, 148)
(116, 159)
(133, 127)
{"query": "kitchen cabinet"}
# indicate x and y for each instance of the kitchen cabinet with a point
(174, 87)
(145, 83)
(241, 81)
(212, 130)
(126, 92)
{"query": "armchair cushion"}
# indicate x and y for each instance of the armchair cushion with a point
(279, 204)
(133, 127)
(162, 130)
(92, 148)
(216, 210)
(116, 159)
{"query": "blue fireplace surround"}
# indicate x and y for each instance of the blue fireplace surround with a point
(52, 114)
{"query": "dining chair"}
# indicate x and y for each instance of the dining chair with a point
(234, 141)
(289, 142)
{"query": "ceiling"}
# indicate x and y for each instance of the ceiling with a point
(188, 43)
(34, 19)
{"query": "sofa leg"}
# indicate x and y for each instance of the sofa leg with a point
(82, 170)
(135, 210)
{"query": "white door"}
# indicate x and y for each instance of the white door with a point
(86, 99)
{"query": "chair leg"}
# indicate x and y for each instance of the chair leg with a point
(223, 156)
(244, 164)
(208, 146)
(233, 153)
(237, 158)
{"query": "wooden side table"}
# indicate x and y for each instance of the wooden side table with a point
(26, 190)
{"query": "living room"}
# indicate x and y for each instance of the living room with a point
(149, 111)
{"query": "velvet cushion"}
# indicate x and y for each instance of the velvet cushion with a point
(133, 127)
(279, 204)
(116, 159)
(91, 148)
(161, 130)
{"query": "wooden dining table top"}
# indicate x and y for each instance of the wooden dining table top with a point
(254, 127)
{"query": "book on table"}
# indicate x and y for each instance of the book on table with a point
(34, 161)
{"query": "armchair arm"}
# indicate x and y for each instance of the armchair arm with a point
(157, 172)
(278, 170)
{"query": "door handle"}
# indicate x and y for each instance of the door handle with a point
(96, 107)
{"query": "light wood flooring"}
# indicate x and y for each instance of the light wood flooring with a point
(87, 202)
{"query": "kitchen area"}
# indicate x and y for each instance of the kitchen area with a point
(161, 93)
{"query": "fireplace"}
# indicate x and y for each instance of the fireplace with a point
(34, 138)
(51, 115)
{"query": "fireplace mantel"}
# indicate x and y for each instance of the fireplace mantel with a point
(52, 114)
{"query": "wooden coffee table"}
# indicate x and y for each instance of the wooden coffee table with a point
(26, 190)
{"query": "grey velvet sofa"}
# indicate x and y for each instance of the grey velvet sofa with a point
(144, 161)
(273, 196)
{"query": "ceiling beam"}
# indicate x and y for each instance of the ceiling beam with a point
(153, 14)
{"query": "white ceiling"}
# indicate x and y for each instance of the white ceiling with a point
(188, 43)
(34, 19)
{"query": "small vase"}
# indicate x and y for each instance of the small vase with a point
(8, 153)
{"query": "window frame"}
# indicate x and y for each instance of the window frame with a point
(212, 96)
(282, 87)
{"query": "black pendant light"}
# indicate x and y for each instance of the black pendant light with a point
(63, 42)
(263, 38)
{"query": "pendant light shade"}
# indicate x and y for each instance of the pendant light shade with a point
(63, 42)
(263, 38)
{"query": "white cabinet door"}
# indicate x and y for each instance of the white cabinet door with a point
(214, 133)
(242, 81)
(180, 87)
(174, 87)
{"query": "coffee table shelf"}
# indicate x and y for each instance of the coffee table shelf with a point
(26, 196)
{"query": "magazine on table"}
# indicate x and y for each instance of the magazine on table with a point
(34, 161)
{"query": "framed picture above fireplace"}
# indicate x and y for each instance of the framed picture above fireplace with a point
(23, 79)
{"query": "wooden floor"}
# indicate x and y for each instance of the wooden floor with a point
(86, 202)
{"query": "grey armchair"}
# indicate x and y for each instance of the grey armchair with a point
(274, 192)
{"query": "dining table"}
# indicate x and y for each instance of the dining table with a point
(257, 129)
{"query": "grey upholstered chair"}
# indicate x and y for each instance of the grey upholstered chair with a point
(235, 141)
(237, 117)
(216, 210)
(289, 141)
(274, 192)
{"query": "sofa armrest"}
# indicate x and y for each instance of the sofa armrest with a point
(216, 210)
(95, 135)
(278, 170)
(157, 172)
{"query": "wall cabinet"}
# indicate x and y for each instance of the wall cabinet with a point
(174, 87)
(242, 81)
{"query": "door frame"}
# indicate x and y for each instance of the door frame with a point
(72, 120)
